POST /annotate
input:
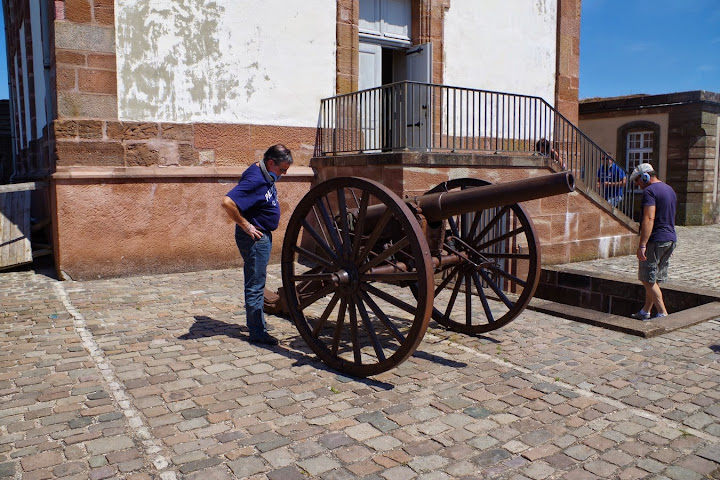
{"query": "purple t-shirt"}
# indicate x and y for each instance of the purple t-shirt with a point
(257, 199)
(663, 197)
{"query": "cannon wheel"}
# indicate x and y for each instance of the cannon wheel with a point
(356, 321)
(502, 268)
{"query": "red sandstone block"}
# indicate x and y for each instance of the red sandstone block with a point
(66, 79)
(177, 131)
(221, 136)
(87, 153)
(346, 83)
(105, 12)
(235, 157)
(583, 250)
(98, 60)
(419, 181)
(543, 228)
(589, 225)
(90, 129)
(70, 58)
(65, 129)
(78, 11)
(553, 253)
(563, 227)
(188, 155)
(263, 136)
(140, 155)
(97, 81)
(131, 130)
(556, 204)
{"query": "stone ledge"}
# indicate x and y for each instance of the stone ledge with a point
(651, 328)
(295, 173)
(433, 159)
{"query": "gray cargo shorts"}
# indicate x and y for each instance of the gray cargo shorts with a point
(655, 268)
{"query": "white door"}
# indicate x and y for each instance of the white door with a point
(370, 76)
(418, 62)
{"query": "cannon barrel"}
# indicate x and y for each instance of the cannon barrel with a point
(438, 206)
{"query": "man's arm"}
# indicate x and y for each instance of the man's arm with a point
(233, 212)
(648, 221)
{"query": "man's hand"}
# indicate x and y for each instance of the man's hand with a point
(253, 232)
(640, 254)
(232, 211)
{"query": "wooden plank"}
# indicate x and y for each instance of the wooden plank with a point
(15, 248)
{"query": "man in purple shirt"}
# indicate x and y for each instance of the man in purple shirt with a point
(657, 237)
(253, 205)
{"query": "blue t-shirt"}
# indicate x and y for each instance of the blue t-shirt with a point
(256, 199)
(663, 197)
(611, 174)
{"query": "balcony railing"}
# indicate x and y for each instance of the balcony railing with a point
(411, 116)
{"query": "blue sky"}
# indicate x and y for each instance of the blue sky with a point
(649, 46)
(628, 47)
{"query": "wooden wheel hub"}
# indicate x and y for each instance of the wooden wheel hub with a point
(347, 279)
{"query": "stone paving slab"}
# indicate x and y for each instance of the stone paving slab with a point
(152, 377)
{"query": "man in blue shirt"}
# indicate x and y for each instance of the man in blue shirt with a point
(657, 237)
(253, 205)
(611, 181)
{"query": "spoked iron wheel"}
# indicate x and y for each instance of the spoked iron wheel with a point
(352, 250)
(499, 267)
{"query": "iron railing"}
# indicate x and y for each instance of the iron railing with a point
(412, 116)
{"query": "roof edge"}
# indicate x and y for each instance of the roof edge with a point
(591, 105)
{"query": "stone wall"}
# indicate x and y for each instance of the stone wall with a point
(143, 220)
(692, 157)
(132, 198)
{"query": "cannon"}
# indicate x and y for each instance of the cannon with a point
(364, 271)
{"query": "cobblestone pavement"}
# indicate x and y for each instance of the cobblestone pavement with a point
(694, 262)
(152, 377)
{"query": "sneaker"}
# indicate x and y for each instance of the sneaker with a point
(265, 339)
(660, 315)
(641, 315)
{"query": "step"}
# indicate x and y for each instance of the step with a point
(607, 300)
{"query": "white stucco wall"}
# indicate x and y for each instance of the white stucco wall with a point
(225, 61)
(502, 45)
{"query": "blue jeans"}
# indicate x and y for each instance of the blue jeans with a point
(256, 256)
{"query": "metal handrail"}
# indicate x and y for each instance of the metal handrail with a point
(414, 116)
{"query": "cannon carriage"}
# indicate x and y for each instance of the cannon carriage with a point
(365, 271)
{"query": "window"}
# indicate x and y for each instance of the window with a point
(386, 21)
(638, 142)
(639, 149)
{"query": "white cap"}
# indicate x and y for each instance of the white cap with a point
(640, 169)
